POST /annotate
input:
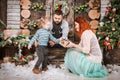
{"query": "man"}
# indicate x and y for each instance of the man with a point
(58, 27)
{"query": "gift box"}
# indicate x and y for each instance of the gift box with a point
(64, 42)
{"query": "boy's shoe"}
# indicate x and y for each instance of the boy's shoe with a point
(45, 69)
(36, 71)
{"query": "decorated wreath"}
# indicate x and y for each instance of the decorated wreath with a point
(62, 5)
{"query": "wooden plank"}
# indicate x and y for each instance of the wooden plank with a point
(13, 6)
(103, 11)
(13, 22)
(14, 26)
(11, 32)
(13, 14)
(104, 6)
(3, 10)
(104, 2)
(13, 10)
(13, 2)
(13, 18)
(102, 14)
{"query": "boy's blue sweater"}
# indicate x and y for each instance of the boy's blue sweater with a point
(42, 36)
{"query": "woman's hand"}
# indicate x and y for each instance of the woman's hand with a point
(70, 45)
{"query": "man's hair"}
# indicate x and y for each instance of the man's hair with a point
(58, 12)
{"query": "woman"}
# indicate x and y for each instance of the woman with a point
(85, 58)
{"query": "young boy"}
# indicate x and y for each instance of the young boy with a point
(42, 35)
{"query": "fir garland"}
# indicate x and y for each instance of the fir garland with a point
(37, 6)
(81, 8)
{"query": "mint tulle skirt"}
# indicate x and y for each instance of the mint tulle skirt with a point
(78, 64)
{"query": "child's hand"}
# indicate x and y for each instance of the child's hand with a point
(35, 43)
(52, 43)
(29, 47)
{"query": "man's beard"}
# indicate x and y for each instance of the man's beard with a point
(56, 22)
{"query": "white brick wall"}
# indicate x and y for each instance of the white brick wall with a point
(13, 13)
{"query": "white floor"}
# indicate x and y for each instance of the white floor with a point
(9, 71)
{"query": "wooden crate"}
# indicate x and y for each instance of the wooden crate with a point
(111, 57)
(10, 50)
(56, 56)
(2, 53)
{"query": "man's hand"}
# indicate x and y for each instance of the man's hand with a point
(52, 43)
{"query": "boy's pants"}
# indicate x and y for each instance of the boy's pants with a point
(42, 53)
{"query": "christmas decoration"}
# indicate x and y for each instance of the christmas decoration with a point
(62, 5)
(1, 32)
(37, 6)
(29, 24)
(81, 8)
(33, 24)
(58, 6)
(109, 27)
(23, 40)
(21, 59)
(2, 24)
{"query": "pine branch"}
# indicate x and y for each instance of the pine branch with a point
(2, 24)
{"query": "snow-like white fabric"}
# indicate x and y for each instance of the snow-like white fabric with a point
(8, 71)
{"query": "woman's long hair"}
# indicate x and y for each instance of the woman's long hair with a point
(83, 25)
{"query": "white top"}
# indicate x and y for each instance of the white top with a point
(89, 44)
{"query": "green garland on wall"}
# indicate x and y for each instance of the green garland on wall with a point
(81, 8)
